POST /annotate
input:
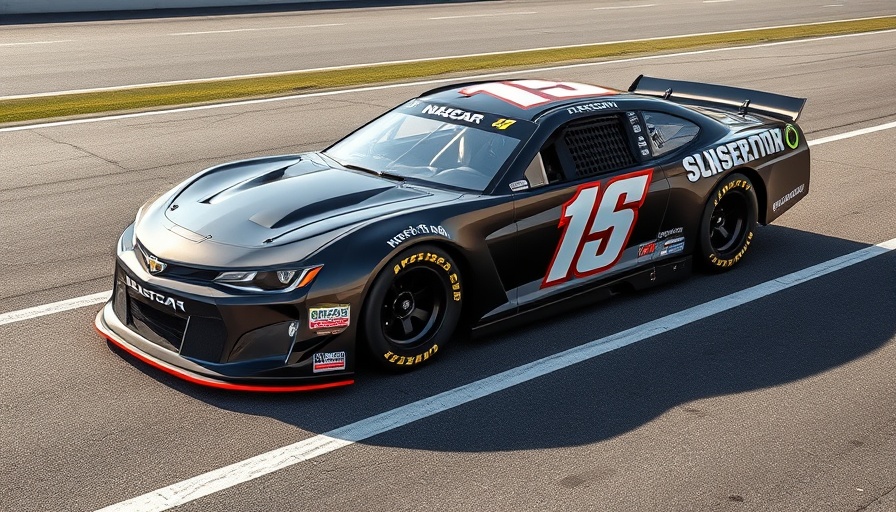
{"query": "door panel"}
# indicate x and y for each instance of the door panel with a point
(585, 231)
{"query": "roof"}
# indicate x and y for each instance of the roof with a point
(518, 99)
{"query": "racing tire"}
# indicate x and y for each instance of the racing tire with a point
(728, 224)
(413, 307)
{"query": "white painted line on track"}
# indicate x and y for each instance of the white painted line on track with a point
(228, 476)
(55, 307)
(255, 29)
(98, 298)
(854, 133)
(623, 7)
(493, 15)
(178, 110)
(37, 42)
(411, 61)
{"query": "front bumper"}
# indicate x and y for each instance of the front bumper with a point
(148, 352)
(213, 338)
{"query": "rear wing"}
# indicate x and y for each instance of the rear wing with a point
(744, 100)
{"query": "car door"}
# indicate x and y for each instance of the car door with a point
(591, 210)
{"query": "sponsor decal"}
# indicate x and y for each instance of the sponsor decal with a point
(516, 186)
(646, 249)
(171, 302)
(673, 246)
(410, 360)
(419, 229)
(328, 361)
(670, 232)
(329, 316)
(645, 152)
(791, 136)
(737, 152)
(636, 128)
(293, 328)
(503, 124)
(453, 113)
(793, 193)
(592, 107)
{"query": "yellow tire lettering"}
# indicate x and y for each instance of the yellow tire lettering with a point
(456, 296)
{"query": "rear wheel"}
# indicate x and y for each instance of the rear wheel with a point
(728, 223)
(413, 307)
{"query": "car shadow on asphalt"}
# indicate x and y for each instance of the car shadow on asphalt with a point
(791, 335)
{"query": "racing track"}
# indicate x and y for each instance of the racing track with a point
(55, 57)
(784, 403)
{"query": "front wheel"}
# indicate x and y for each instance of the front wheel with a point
(413, 307)
(728, 223)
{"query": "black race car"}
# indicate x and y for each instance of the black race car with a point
(472, 203)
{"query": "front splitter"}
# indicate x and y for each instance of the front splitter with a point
(196, 378)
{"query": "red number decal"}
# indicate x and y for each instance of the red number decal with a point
(596, 227)
(531, 93)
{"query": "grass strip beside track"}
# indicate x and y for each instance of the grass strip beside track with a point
(26, 109)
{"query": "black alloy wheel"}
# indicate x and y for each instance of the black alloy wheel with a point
(413, 307)
(728, 224)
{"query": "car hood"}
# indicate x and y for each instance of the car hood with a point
(277, 200)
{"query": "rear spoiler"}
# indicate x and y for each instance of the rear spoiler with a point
(744, 100)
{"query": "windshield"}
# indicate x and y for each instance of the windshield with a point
(432, 143)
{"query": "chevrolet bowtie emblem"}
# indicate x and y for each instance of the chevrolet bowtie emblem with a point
(154, 265)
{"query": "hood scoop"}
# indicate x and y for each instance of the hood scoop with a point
(268, 177)
(255, 202)
(276, 218)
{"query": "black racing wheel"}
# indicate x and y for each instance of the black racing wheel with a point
(728, 223)
(413, 307)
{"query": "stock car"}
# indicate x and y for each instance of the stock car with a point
(466, 206)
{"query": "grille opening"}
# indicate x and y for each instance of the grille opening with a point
(157, 326)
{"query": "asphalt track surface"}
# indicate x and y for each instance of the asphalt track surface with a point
(39, 58)
(784, 403)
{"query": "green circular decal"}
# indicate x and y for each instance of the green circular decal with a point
(791, 136)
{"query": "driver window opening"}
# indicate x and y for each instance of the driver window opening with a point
(545, 167)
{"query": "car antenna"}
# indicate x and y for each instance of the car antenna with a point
(667, 93)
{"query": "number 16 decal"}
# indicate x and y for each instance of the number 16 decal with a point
(596, 227)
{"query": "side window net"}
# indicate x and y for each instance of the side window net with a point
(598, 145)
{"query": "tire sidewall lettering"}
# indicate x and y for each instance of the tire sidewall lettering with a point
(393, 355)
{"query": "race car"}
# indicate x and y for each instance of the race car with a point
(466, 206)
